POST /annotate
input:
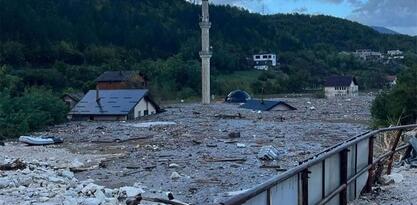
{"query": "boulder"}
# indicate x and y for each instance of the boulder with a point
(392, 179)
(131, 191)
(175, 175)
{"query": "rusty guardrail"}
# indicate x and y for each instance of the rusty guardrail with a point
(343, 170)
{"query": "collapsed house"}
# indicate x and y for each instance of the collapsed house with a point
(121, 104)
(237, 96)
(267, 105)
(71, 99)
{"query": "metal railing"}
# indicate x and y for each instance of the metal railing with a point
(334, 176)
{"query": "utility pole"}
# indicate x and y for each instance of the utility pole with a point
(205, 53)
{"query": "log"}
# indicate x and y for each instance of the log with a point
(164, 201)
(15, 165)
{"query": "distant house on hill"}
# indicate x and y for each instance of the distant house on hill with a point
(341, 86)
(265, 61)
(121, 80)
(121, 104)
(391, 80)
(267, 105)
(368, 55)
(395, 54)
(71, 99)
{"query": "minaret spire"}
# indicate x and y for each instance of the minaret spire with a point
(205, 53)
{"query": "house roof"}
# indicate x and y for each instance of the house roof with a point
(264, 105)
(112, 102)
(75, 96)
(344, 81)
(116, 76)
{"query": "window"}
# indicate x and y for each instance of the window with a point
(257, 57)
(146, 112)
(139, 113)
(265, 57)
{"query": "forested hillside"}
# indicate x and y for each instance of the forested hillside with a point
(65, 44)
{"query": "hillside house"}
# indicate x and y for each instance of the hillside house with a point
(391, 80)
(123, 104)
(71, 99)
(265, 61)
(368, 55)
(341, 86)
(121, 80)
(395, 54)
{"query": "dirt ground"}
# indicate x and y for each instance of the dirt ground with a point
(194, 137)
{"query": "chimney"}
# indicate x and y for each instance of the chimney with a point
(97, 95)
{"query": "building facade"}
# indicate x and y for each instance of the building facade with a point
(341, 86)
(265, 61)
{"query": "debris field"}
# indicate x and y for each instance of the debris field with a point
(201, 154)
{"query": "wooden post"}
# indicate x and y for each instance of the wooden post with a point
(304, 187)
(343, 175)
(371, 171)
(393, 148)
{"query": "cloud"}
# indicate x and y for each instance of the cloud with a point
(396, 14)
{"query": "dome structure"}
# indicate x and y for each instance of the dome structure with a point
(237, 96)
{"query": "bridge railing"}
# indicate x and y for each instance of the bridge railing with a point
(336, 175)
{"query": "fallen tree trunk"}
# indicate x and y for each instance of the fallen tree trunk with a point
(15, 165)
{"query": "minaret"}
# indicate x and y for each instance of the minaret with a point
(205, 53)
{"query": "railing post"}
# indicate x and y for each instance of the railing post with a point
(371, 171)
(304, 187)
(393, 148)
(343, 175)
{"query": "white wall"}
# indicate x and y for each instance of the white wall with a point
(142, 106)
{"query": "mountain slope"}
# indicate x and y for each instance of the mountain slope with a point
(384, 30)
(67, 43)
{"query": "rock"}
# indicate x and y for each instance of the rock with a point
(175, 175)
(67, 174)
(392, 178)
(240, 145)
(112, 201)
(234, 135)
(76, 164)
(109, 192)
(131, 191)
(56, 180)
(173, 165)
(43, 199)
(91, 189)
(70, 201)
(5, 182)
(91, 201)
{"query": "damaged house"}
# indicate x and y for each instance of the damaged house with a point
(122, 104)
(267, 105)
(121, 80)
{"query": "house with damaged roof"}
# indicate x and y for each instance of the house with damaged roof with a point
(341, 86)
(121, 80)
(114, 105)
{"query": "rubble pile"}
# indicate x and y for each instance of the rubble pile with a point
(40, 183)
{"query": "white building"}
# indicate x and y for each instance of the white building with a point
(341, 86)
(264, 61)
(395, 54)
(368, 55)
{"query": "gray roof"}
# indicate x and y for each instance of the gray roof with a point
(112, 102)
(344, 81)
(264, 105)
(116, 76)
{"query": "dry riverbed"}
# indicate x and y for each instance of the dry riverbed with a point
(187, 150)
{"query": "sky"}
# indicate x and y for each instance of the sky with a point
(398, 15)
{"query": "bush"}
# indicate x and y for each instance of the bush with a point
(398, 104)
(35, 109)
